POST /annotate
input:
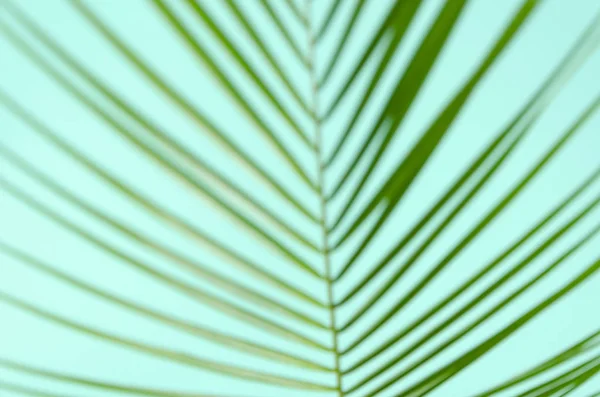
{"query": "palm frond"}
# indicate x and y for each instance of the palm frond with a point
(281, 202)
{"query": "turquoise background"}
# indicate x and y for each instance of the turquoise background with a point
(543, 41)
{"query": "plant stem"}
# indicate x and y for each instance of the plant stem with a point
(321, 193)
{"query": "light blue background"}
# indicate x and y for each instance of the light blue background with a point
(525, 64)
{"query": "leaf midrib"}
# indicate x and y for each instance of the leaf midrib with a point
(321, 166)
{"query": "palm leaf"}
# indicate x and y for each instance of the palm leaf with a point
(265, 201)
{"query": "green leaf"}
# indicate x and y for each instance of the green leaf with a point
(581, 347)
(297, 12)
(27, 391)
(154, 208)
(266, 5)
(493, 264)
(225, 81)
(154, 153)
(406, 172)
(406, 89)
(567, 381)
(341, 45)
(171, 355)
(386, 26)
(184, 287)
(267, 54)
(402, 15)
(483, 295)
(196, 330)
(242, 62)
(93, 383)
(330, 15)
(441, 376)
(200, 269)
(474, 232)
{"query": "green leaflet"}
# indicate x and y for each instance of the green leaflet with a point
(93, 383)
(183, 287)
(482, 296)
(468, 358)
(400, 303)
(407, 170)
(178, 357)
(162, 159)
(530, 112)
(407, 87)
(498, 260)
(330, 15)
(202, 237)
(225, 80)
(268, 8)
(567, 381)
(183, 325)
(267, 54)
(200, 269)
(402, 15)
(584, 346)
(342, 43)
